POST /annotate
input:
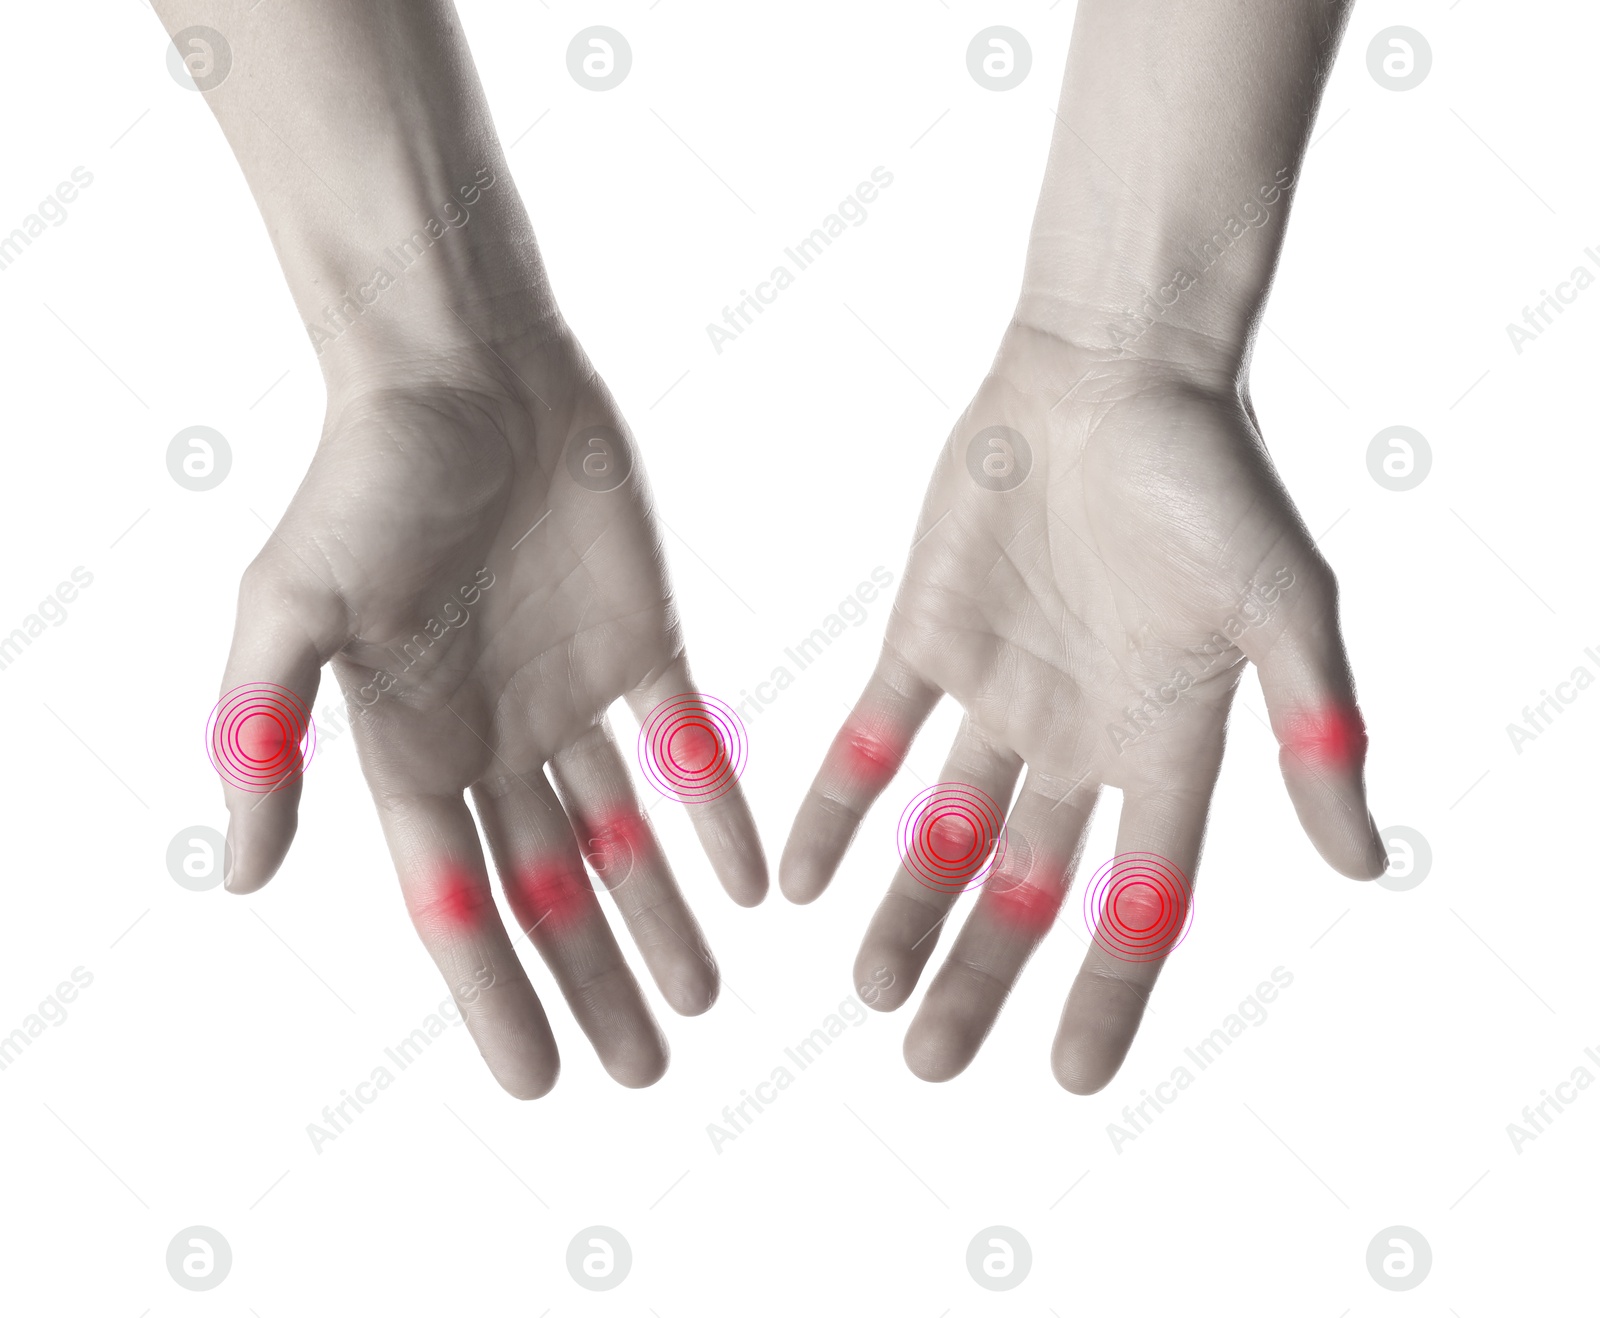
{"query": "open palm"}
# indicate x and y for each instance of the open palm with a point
(1102, 547)
(474, 551)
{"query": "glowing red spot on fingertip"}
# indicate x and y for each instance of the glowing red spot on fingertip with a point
(1333, 737)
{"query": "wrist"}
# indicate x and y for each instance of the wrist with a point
(1182, 283)
(447, 267)
(1177, 150)
(1062, 370)
(1111, 327)
(367, 142)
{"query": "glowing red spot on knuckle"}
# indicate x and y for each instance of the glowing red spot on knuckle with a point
(262, 737)
(614, 843)
(1333, 737)
(1139, 906)
(1024, 904)
(693, 748)
(951, 836)
(952, 839)
(551, 895)
(865, 757)
(452, 898)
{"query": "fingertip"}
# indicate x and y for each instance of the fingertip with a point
(696, 1003)
(932, 1056)
(639, 1065)
(1085, 1064)
(1330, 799)
(1351, 849)
(1369, 868)
(948, 1031)
(760, 880)
(1098, 1027)
(530, 1085)
(734, 848)
(529, 1068)
(1075, 1079)
(886, 994)
(261, 829)
(821, 834)
(252, 870)
(751, 890)
(694, 990)
(254, 863)
(798, 893)
(800, 879)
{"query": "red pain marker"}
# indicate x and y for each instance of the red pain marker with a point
(1025, 906)
(260, 737)
(452, 897)
(951, 837)
(1139, 906)
(1027, 902)
(865, 758)
(693, 748)
(614, 842)
(1332, 738)
(552, 896)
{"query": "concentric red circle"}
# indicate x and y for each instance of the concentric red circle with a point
(693, 748)
(1139, 906)
(952, 837)
(260, 737)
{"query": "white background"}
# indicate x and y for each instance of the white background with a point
(1378, 1090)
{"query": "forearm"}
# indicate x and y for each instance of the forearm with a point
(1177, 149)
(364, 135)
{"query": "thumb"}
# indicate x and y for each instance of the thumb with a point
(261, 735)
(1311, 701)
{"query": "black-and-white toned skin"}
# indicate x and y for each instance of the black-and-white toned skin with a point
(472, 548)
(1105, 541)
